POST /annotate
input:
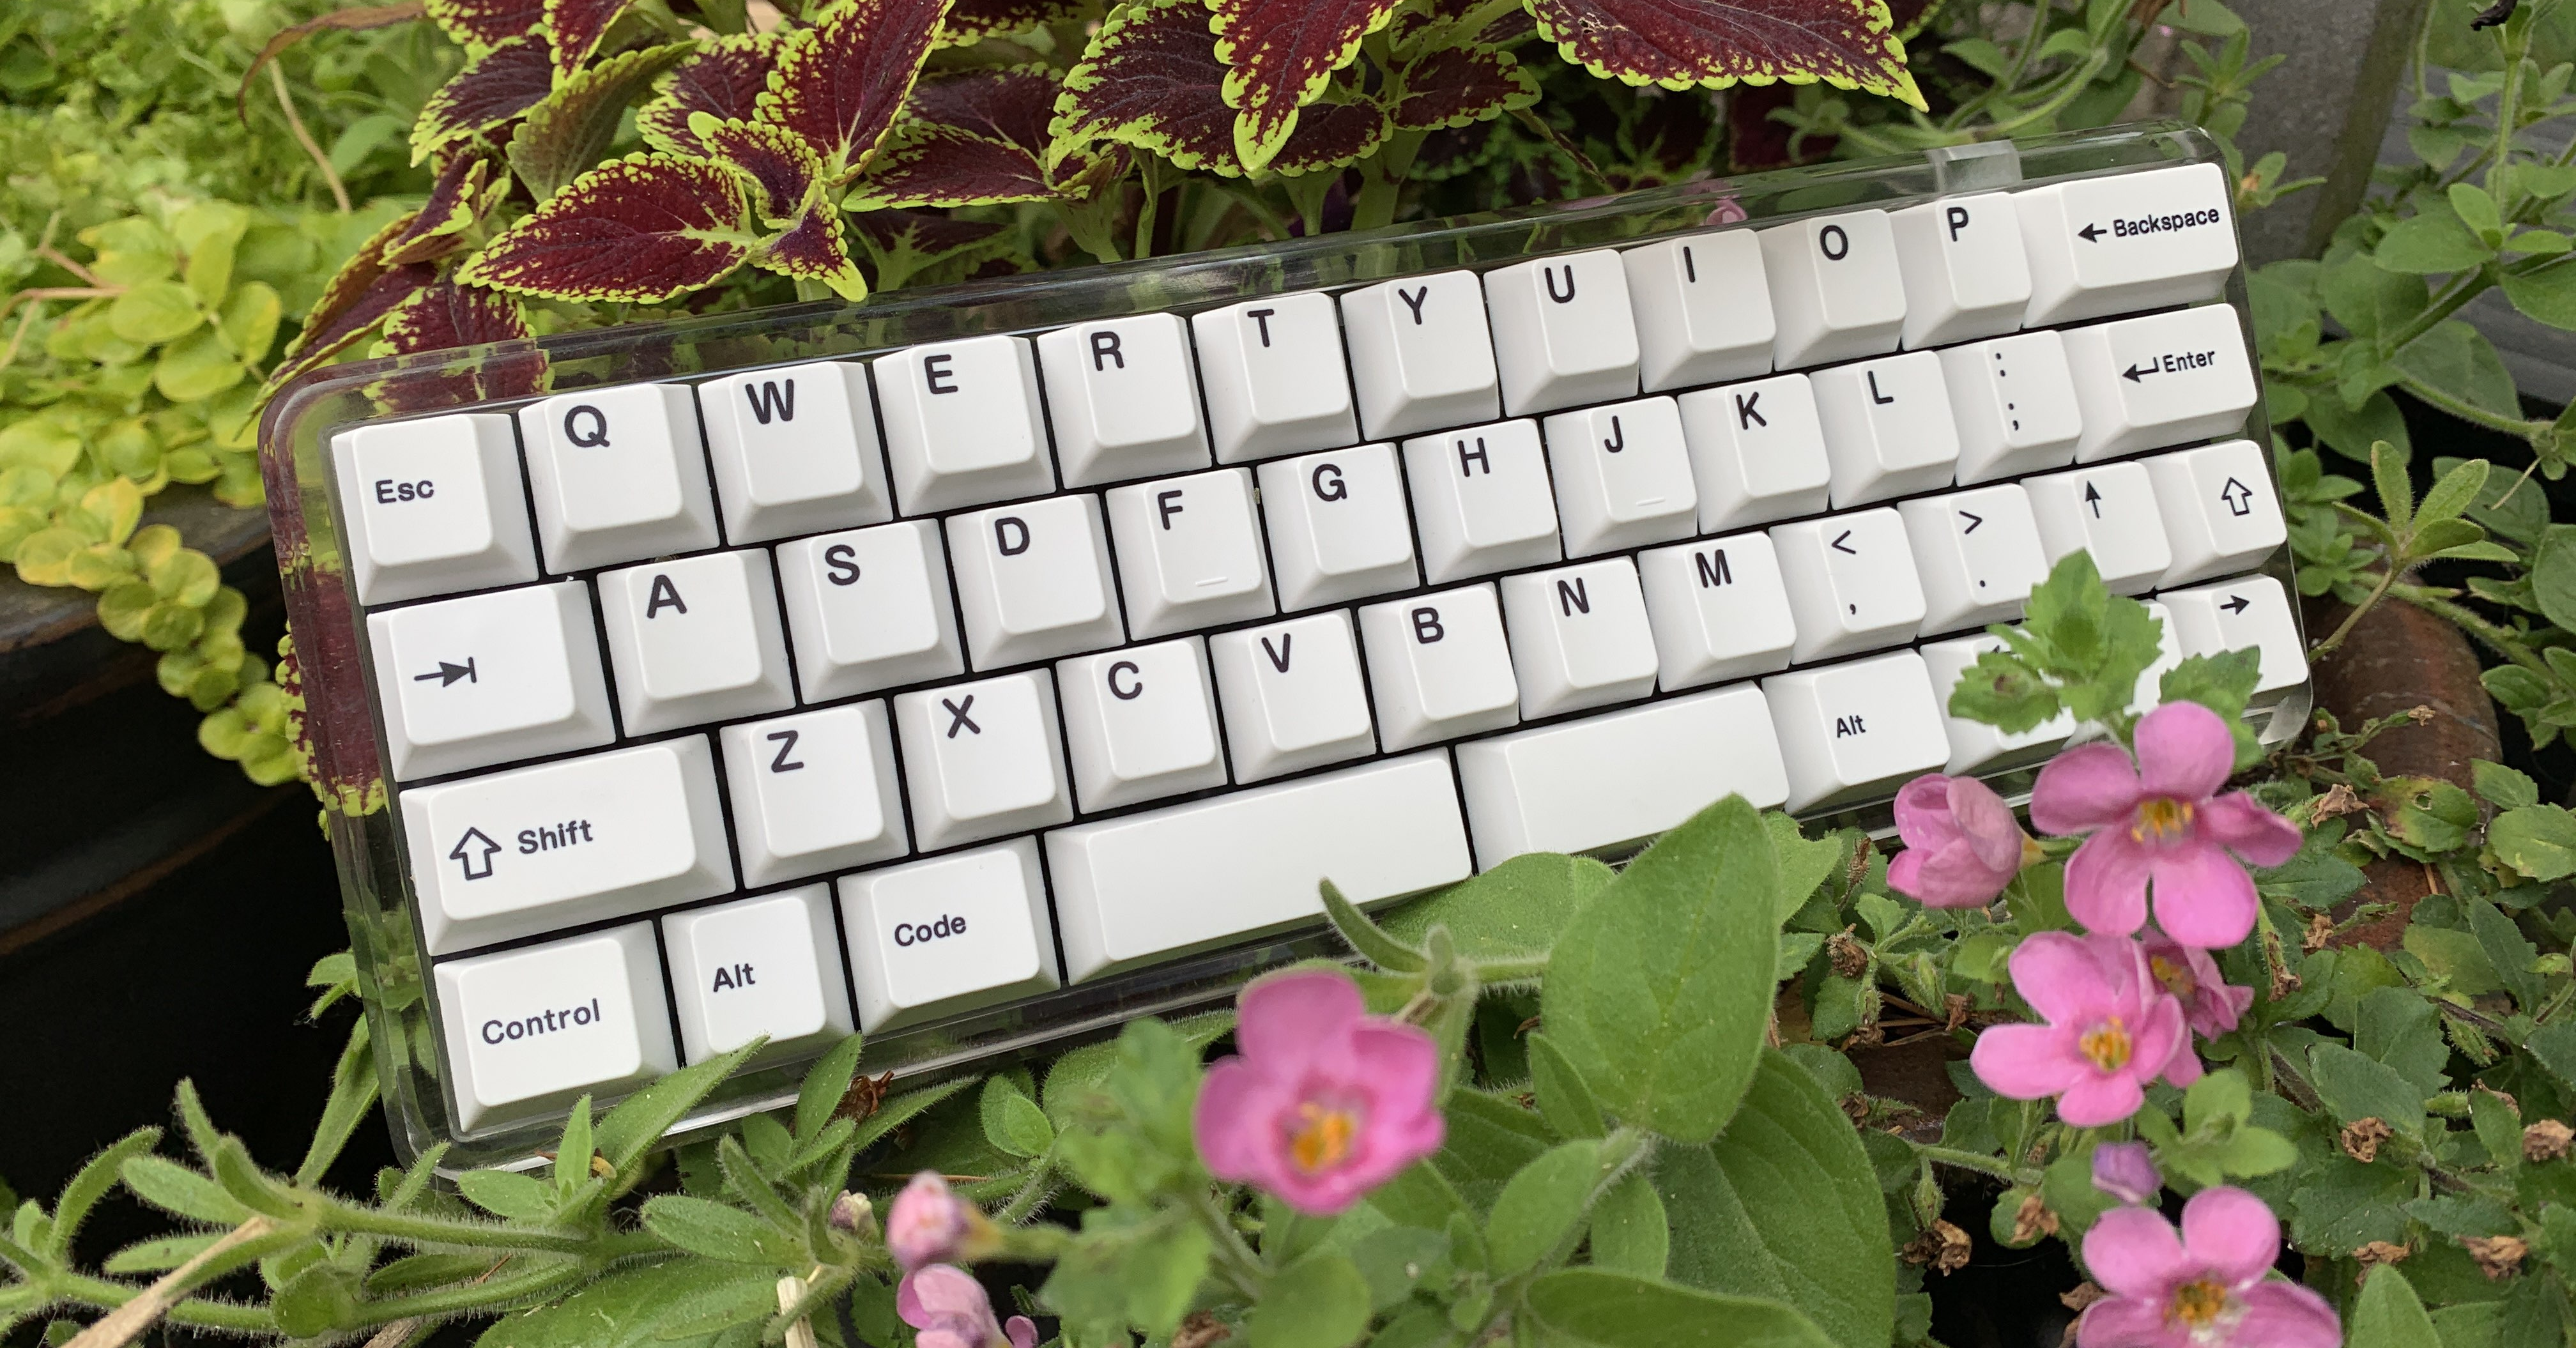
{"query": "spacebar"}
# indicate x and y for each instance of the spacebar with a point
(1144, 888)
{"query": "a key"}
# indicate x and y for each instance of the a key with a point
(1836, 291)
(1189, 552)
(1976, 554)
(1974, 745)
(2015, 403)
(1888, 428)
(1140, 723)
(1703, 309)
(982, 759)
(1293, 695)
(1123, 395)
(578, 840)
(1579, 637)
(2133, 241)
(1276, 381)
(943, 936)
(694, 640)
(2232, 615)
(1481, 501)
(1855, 730)
(1563, 333)
(1338, 525)
(1135, 890)
(1420, 354)
(466, 683)
(1964, 271)
(1757, 452)
(2219, 511)
(795, 450)
(814, 792)
(617, 474)
(1439, 667)
(1623, 476)
(763, 966)
(1033, 581)
(961, 424)
(530, 1031)
(869, 609)
(2108, 510)
(432, 506)
(1718, 609)
(2166, 379)
(1851, 583)
(1604, 783)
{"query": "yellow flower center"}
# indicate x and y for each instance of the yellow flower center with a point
(2107, 1044)
(2161, 819)
(1322, 1138)
(2197, 1303)
(2175, 975)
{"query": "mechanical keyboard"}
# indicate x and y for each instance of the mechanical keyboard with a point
(980, 666)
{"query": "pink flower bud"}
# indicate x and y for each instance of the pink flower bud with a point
(2127, 1171)
(930, 1225)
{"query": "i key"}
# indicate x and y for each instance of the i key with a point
(1420, 354)
(1563, 333)
(1338, 525)
(961, 422)
(1481, 500)
(795, 450)
(1293, 696)
(466, 683)
(1140, 723)
(1189, 552)
(1703, 309)
(1124, 398)
(1276, 381)
(1033, 581)
(1836, 291)
(982, 759)
(617, 474)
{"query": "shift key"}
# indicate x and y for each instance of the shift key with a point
(539, 849)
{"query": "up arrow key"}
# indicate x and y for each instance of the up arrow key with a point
(477, 867)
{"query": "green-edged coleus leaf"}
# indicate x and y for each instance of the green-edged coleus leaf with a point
(353, 302)
(1150, 79)
(642, 229)
(492, 88)
(1682, 44)
(1459, 86)
(811, 250)
(462, 194)
(905, 243)
(574, 28)
(839, 84)
(971, 21)
(486, 23)
(780, 167)
(1279, 55)
(571, 129)
(970, 139)
(442, 316)
(723, 79)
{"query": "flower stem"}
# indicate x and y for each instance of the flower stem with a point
(2387, 577)
(1235, 1259)
(1969, 1160)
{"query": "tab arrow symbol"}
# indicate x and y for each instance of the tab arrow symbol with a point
(2090, 234)
(447, 674)
(2238, 496)
(1842, 538)
(476, 867)
(1973, 521)
(2237, 603)
(2093, 498)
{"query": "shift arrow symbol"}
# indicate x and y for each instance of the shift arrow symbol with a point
(2093, 498)
(2090, 233)
(447, 674)
(2238, 496)
(476, 867)
(1842, 538)
(2237, 603)
(1973, 521)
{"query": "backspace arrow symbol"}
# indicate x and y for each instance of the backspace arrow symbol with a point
(2090, 234)
(476, 867)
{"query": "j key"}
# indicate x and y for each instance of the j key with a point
(529, 1031)
(1033, 581)
(1579, 637)
(1563, 332)
(2108, 510)
(961, 423)
(1836, 290)
(1276, 382)
(1888, 427)
(2233, 615)
(694, 640)
(764, 966)
(1189, 552)
(1855, 730)
(795, 450)
(1481, 501)
(1703, 309)
(1603, 783)
(1439, 667)
(1719, 610)
(535, 849)
(433, 506)
(466, 683)
(1977, 554)
(1757, 452)
(1851, 583)
(2219, 510)
(947, 935)
(617, 474)
(982, 759)
(1140, 723)
(2015, 403)
(1623, 476)
(1293, 695)
(1124, 398)
(1974, 745)
(869, 609)
(814, 793)
(2166, 379)
(1964, 271)
(1338, 525)
(2135, 241)
(1420, 354)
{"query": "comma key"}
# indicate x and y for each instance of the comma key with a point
(528, 1031)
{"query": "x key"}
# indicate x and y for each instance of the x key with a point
(1004, 775)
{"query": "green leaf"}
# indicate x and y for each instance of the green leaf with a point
(2552, 1045)
(2546, 293)
(1012, 1121)
(2431, 244)
(2503, 787)
(2454, 492)
(174, 1188)
(1366, 937)
(719, 1231)
(2354, 1087)
(1542, 1206)
(2508, 951)
(1630, 1231)
(2388, 1314)
(631, 1129)
(1321, 1301)
(196, 367)
(2351, 431)
(2398, 1027)
(2553, 574)
(2396, 494)
(632, 1307)
(92, 1183)
(149, 315)
(826, 1083)
(1515, 909)
(1617, 1310)
(1563, 1098)
(505, 1193)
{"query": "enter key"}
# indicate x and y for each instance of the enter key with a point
(2166, 379)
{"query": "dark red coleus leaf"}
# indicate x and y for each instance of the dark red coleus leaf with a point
(1680, 44)
(723, 79)
(1151, 80)
(1909, 16)
(840, 83)
(902, 244)
(1279, 54)
(493, 88)
(969, 139)
(486, 23)
(1454, 86)
(1330, 135)
(811, 250)
(576, 26)
(974, 20)
(458, 197)
(570, 131)
(346, 284)
(645, 228)
(442, 316)
(782, 167)
(324, 338)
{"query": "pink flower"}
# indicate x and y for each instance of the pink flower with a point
(1961, 843)
(950, 1309)
(2209, 1001)
(2110, 1030)
(930, 1225)
(2161, 820)
(1325, 1103)
(1728, 211)
(2127, 1171)
(2204, 1289)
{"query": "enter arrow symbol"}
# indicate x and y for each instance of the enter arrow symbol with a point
(2090, 234)
(476, 867)
(1973, 521)
(2237, 603)
(1842, 538)
(2093, 498)
(447, 674)
(2135, 375)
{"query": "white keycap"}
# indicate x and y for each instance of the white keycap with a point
(1851, 583)
(869, 609)
(432, 507)
(1420, 354)
(764, 966)
(1718, 609)
(1293, 695)
(1276, 382)
(948, 935)
(1757, 452)
(814, 792)
(1033, 581)
(2135, 241)
(1339, 527)
(1123, 395)
(1976, 554)
(1563, 333)
(2219, 510)
(1189, 552)
(578, 840)
(2015, 403)
(982, 759)
(2151, 680)
(1855, 730)
(1481, 501)
(2166, 379)
(2108, 510)
(617, 474)
(1439, 667)
(795, 450)
(1140, 723)
(1974, 745)
(1888, 427)
(2232, 615)
(1579, 637)
(530, 1031)
(1964, 271)
(466, 683)
(694, 640)
(1607, 782)
(1836, 291)
(961, 424)
(1703, 309)
(1623, 476)
(1138, 889)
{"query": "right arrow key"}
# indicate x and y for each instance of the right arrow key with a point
(2249, 611)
